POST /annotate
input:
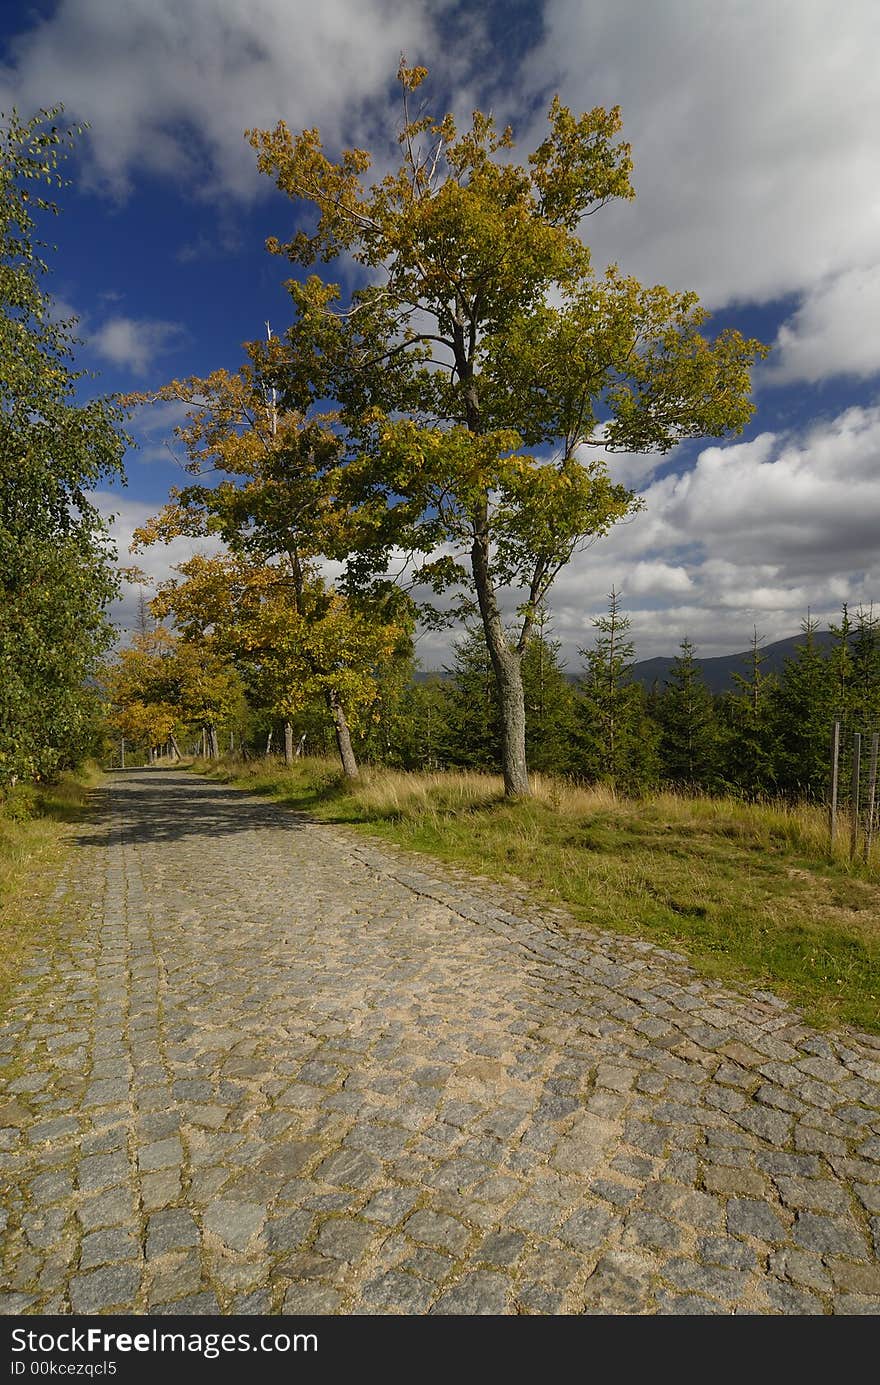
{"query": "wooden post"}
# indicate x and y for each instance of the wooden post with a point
(856, 774)
(832, 807)
(872, 790)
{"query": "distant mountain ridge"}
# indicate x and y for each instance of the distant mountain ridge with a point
(718, 672)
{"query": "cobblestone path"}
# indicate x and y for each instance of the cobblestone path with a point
(273, 1067)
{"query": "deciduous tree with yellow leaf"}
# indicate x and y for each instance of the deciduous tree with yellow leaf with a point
(485, 357)
(277, 511)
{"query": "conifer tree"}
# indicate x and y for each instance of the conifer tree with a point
(616, 741)
(688, 725)
(803, 709)
(840, 668)
(748, 743)
(865, 697)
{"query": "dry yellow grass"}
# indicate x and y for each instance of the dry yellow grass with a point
(33, 842)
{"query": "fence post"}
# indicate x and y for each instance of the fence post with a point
(872, 789)
(832, 807)
(856, 774)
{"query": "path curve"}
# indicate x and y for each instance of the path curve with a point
(275, 1067)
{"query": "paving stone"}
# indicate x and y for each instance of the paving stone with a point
(724, 1250)
(308, 1264)
(44, 1228)
(868, 1195)
(433, 1265)
(438, 1230)
(583, 1149)
(716, 1281)
(827, 1236)
(48, 1188)
(159, 1189)
(588, 1228)
(390, 1205)
(856, 1304)
(687, 1305)
(854, 1278)
(308, 1299)
(236, 1224)
(196, 1305)
(537, 1298)
(649, 1229)
(501, 1248)
(179, 1274)
(171, 1229)
(398, 1291)
(161, 1154)
(801, 1267)
(533, 1214)
(683, 1204)
(256, 1304)
(344, 1238)
(99, 1291)
(786, 1298)
(748, 1217)
(352, 1168)
(113, 1208)
(114, 1244)
(289, 1230)
(773, 1126)
(480, 1293)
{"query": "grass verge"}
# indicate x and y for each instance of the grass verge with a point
(747, 891)
(33, 843)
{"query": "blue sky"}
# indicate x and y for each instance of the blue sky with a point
(757, 168)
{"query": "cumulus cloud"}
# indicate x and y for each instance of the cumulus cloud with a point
(833, 332)
(753, 534)
(134, 343)
(753, 129)
(157, 563)
(169, 88)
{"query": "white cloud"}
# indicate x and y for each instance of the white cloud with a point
(757, 164)
(834, 331)
(157, 562)
(754, 534)
(170, 87)
(134, 343)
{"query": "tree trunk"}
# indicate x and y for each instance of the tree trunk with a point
(507, 664)
(175, 748)
(215, 745)
(343, 736)
(288, 743)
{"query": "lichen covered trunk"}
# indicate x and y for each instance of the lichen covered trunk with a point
(343, 736)
(507, 665)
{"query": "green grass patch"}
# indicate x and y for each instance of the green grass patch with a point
(33, 842)
(748, 892)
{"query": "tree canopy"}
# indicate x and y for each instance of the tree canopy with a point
(485, 368)
(56, 565)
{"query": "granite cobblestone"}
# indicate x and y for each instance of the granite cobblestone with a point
(271, 1066)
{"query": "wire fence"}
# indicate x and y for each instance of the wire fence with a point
(853, 800)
